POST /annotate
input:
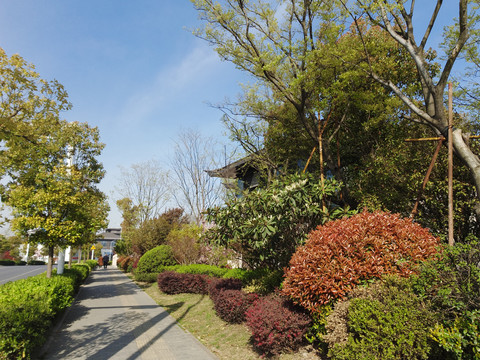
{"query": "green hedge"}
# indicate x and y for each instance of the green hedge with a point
(28, 307)
(36, 262)
(92, 264)
(7, 262)
(262, 281)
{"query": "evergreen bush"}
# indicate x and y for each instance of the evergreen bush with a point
(203, 269)
(7, 262)
(155, 259)
(341, 254)
(384, 321)
(36, 262)
(92, 264)
(452, 286)
(27, 308)
(266, 226)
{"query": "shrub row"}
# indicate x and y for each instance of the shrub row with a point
(276, 325)
(7, 262)
(92, 264)
(28, 307)
(171, 282)
(432, 315)
(261, 281)
(36, 262)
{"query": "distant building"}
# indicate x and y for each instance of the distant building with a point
(108, 239)
(242, 170)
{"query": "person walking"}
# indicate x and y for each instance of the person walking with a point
(106, 259)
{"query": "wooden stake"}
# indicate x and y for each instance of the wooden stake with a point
(450, 166)
(425, 180)
(438, 138)
(308, 162)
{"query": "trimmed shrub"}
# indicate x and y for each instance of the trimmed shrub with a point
(36, 262)
(231, 305)
(154, 260)
(92, 264)
(203, 269)
(171, 282)
(20, 262)
(27, 308)
(452, 287)
(384, 321)
(196, 283)
(216, 286)
(276, 325)
(262, 281)
(146, 277)
(7, 262)
(341, 254)
(82, 269)
(23, 325)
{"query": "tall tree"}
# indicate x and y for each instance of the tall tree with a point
(395, 17)
(35, 144)
(146, 185)
(30, 106)
(306, 96)
(195, 190)
(272, 42)
(58, 198)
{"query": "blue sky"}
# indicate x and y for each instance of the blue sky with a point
(132, 68)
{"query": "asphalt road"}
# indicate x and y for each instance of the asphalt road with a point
(12, 273)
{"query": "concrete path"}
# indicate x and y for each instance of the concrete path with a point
(112, 318)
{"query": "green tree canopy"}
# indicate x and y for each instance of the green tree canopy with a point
(50, 166)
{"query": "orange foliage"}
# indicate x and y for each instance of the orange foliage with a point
(343, 253)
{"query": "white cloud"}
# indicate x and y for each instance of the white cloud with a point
(169, 83)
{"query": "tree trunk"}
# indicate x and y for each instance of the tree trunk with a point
(50, 262)
(471, 160)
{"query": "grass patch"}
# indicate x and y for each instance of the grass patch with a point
(196, 314)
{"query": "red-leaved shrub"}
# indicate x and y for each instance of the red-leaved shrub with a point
(231, 305)
(125, 262)
(342, 253)
(217, 285)
(276, 325)
(171, 282)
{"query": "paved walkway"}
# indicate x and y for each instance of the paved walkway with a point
(112, 318)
